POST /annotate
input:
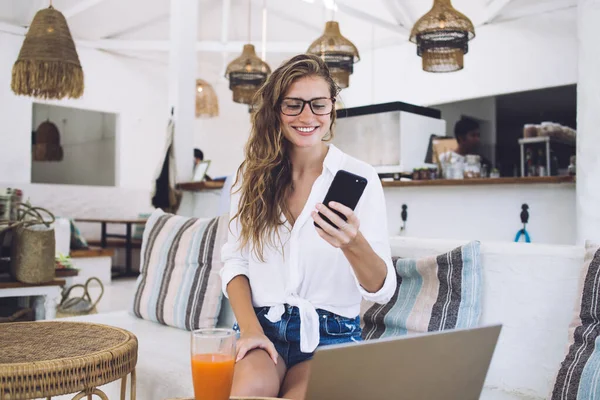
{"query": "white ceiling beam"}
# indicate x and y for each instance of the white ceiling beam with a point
(225, 17)
(371, 19)
(398, 10)
(494, 9)
(79, 7)
(12, 29)
(537, 9)
(135, 28)
(289, 18)
(202, 46)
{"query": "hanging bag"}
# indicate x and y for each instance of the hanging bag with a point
(33, 245)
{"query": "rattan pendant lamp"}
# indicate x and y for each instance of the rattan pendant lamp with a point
(442, 37)
(339, 53)
(248, 72)
(48, 66)
(207, 103)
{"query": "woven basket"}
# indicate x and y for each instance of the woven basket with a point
(82, 305)
(33, 245)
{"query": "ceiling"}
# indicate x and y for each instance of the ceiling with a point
(141, 28)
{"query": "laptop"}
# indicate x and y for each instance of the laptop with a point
(448, 365)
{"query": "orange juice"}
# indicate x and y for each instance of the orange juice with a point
(213, 376)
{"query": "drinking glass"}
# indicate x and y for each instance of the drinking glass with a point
(213, 359)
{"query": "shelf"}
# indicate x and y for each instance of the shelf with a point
(544, 139)
(482, 181)
(199, 186)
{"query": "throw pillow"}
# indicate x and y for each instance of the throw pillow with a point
(138, 231)
(433, 293)
(78, 242)
(179, 283)
(579, 373)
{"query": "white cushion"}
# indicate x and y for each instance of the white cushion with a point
(530, 289)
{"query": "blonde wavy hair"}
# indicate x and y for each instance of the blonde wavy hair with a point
(266, 173)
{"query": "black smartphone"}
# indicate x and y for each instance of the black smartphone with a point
(346, 189)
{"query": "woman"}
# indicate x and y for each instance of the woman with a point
(291, 285)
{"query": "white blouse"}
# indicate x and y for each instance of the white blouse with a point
(307, 272)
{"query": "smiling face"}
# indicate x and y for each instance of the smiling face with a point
(306, 129)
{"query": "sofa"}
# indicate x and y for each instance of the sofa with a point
(531, 289)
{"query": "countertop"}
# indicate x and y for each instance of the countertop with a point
(202, 186)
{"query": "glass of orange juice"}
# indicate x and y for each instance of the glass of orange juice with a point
(213, 359)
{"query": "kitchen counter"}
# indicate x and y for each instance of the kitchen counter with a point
(482, 181)
(201, 186)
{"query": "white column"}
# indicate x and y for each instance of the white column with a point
(182, 81)
(588, 122)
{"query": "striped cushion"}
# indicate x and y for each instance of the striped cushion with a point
(433, 293)
(579, 374)
(179, 283)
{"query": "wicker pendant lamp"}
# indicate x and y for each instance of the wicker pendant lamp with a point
(207, 103)
(248, 72)
(442, 37)
(48, 65)
(339, 53)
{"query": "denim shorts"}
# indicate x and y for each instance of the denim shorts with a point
(285, 334)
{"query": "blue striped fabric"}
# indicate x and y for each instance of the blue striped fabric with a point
(179, 283)
(579, 373)
(433, 293)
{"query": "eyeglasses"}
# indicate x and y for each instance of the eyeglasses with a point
(292, 106)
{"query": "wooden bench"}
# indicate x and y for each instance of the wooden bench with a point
(115, 243)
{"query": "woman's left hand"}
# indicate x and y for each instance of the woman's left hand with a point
(347, 231)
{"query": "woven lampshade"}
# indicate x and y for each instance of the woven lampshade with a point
(207, 103)
(442, 37)
(246, 75)
(48, 66)
(339, 53)
(47, 143)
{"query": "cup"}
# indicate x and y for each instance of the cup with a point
(213, 360)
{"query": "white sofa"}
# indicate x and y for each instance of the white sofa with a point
(530, 288)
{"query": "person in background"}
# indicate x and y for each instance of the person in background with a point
(468, 137)
(198, 158)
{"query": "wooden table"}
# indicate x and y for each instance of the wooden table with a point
(46, 295)
(128, 237)
(50, 358)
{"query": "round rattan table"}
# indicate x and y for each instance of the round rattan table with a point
(45, 359)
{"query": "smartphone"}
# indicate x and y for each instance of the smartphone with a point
(346, 189)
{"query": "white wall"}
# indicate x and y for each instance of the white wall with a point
(486, 212)
(529, 53)
(88, 140)
(484, 110)
(222, 138)
(133, 89)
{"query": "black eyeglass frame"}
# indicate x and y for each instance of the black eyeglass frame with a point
(309, 102)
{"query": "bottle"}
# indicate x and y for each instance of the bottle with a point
(553, 164)
(541, 163)
(572, 170)
(529, 166)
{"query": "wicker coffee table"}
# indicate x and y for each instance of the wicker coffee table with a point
(44, 359)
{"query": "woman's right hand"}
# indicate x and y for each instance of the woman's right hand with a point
(255, 340)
